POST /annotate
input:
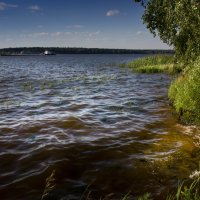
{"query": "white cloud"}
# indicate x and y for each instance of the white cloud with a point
(4, 6)
(34, 8)
(75, 26)
(111, 13)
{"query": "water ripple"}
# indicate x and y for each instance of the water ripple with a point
(93, 123)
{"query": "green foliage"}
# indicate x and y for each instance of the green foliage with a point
(177, 23)
(153, 64)
(184, 93)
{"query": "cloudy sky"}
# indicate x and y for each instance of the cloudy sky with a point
(74, 23)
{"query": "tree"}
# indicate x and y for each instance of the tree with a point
(176, 22)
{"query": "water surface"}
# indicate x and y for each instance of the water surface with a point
(98, 126)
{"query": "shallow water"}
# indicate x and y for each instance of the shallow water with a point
(102, 128)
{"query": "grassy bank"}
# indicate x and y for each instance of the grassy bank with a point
(153, 64)
(184, 94)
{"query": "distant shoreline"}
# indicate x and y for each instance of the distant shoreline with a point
(22, 55)
(38, 51)
(27, 55)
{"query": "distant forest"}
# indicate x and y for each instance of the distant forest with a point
(69, 50)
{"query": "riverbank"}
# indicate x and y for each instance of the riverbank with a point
(184, 94)
(183, 91)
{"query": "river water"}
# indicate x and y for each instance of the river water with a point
(98, 129)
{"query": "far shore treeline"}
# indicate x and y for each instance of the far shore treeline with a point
(72, 50)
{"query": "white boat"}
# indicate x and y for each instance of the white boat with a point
(48, 53)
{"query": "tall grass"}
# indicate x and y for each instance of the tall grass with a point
(190, 192)
(184, 93)
(154, 64)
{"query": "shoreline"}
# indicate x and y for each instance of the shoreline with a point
(28, 55)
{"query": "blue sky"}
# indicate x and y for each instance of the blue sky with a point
(74, 23)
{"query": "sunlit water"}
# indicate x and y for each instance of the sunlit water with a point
(102, 128)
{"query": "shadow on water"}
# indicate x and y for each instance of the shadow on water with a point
(109, 132)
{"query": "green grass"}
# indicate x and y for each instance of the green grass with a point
(153, 64)
(155, 69)
(184, 94)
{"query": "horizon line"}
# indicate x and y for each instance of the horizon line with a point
(83, 48)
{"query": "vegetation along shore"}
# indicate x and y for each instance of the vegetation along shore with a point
(184, 89)
(171, 28)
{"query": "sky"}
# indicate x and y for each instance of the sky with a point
(75, 23)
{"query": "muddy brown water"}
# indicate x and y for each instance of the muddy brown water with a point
(102, 129)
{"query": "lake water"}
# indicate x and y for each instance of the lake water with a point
(98, 129)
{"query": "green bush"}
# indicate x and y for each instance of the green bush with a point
(184, 93)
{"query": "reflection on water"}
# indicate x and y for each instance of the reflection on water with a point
(95, 124)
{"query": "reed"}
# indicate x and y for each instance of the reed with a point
(153, 64)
